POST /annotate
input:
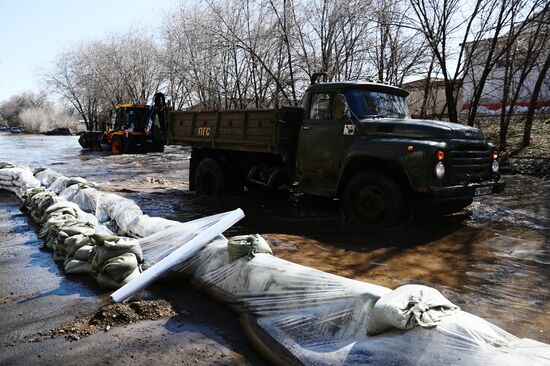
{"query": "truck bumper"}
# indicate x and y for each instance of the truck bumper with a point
(466, 192)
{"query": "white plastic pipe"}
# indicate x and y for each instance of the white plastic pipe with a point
(178, 256)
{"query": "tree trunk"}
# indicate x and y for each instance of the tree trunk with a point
(533, 104)
(505, 98)
(451, 101)
(427, 88)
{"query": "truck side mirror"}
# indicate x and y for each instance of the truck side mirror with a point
(339, 106)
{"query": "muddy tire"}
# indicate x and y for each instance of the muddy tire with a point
(117, 146)
(374, 200)
(83, 141)
(96, 147)
(209, 178)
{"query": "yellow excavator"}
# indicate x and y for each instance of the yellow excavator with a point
(136, 128)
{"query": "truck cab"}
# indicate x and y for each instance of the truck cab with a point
(358, 142)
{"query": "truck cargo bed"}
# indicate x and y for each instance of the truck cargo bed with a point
(267, 131)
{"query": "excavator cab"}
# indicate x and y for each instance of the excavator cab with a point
(131, 117)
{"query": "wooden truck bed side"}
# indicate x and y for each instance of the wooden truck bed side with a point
(266, 131)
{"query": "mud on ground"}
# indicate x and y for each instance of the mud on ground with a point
(113, 315)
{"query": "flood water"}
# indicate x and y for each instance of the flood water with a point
(492, 260)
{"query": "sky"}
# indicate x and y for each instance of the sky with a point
(34, 32)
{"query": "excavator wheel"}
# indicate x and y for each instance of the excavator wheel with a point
(117, 146)
(96, 147)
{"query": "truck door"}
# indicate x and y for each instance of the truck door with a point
(320, 145)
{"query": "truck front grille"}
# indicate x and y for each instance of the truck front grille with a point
(470, 162)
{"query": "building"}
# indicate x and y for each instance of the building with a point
(508, 70)
(433, 90)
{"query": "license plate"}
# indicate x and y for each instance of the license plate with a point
(480, 191)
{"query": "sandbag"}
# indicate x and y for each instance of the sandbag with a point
(4, 165)
(63, 206)
(88, 200)
(84, 253)
(38, 170)
(105, 281)
(409, 306)
(145, 225)
(120, 267)
(112, 246)
(47, 176)
(78, 267)
(63, 182)
(247, 246)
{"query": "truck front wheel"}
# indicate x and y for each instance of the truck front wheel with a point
(373, 200)
(209, 178)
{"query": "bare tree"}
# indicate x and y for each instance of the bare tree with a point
(439, 22)
(493, 48)
(533, 103)
(398, 51)
(11, 109)
(520, 65)
(96, 76)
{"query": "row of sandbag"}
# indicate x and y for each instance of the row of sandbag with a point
(78, 240)
(120, 214)
(17, 179)
(80, 243)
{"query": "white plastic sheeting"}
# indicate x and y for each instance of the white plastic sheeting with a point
(189, 246)
(321, 319)
(122, 214)
(46, 176)
(17, 179)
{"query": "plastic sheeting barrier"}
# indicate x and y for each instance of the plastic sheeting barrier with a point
(312, 317)
(179, 255)
(17, 179)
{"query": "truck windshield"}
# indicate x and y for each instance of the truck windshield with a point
(365, 104)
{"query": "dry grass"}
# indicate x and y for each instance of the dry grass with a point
(532, 160)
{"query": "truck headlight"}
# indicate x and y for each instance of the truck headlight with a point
(439, 170)
(495, 166)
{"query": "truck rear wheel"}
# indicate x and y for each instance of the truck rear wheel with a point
(373, 200)
(209, 178)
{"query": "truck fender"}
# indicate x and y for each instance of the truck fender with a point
(394, 168)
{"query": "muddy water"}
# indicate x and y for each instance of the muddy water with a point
(492, 260)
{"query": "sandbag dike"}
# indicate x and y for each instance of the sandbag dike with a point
(292, 314)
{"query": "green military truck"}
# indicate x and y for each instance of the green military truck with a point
(353, 141)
